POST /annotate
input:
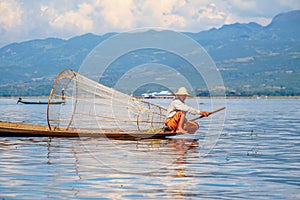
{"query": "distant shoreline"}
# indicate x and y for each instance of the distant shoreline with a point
(199, 97)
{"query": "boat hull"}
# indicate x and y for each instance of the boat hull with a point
(11, 129)
(41, 102)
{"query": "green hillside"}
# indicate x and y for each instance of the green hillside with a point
(251, 58)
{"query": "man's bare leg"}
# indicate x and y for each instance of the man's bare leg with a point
(180, 124)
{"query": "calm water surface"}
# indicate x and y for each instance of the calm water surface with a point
(256, 157)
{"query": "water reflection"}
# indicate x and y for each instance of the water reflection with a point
(54, 164)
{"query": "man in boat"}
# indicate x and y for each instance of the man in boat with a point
(19, 100)
(63, 97)
(176, 113)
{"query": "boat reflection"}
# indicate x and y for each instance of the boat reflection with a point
(92, 167)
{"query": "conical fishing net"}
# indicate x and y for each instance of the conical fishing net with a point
(92, 106)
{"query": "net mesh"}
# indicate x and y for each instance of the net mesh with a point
(91, 105)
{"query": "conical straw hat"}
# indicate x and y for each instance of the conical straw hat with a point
(182, 91)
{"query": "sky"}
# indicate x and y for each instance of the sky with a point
(22, 20)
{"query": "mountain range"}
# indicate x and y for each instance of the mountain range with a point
(251, 58)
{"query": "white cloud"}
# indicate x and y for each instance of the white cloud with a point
(165, 14)
(207, 15)
(117, 14)
(10, 15)
(78, 20)
(130, 14)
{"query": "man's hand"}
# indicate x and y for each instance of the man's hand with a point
(205, 114)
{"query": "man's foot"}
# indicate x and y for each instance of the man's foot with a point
(181, 131)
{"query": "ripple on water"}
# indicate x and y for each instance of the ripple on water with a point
(257, 157)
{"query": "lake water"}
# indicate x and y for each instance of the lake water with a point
(257, 156)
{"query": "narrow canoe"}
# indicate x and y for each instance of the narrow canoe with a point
(12, 129)
(40, 102)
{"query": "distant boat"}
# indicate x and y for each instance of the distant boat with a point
(39, 102)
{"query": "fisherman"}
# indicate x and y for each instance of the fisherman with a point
(176, 113)
(19, 100)
(63, 97)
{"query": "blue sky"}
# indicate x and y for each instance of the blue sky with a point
(22, 20)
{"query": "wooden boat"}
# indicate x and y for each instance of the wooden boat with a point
(12, 129)
(93, 104)
(39, 102)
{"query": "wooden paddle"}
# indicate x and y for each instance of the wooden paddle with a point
(212, 112)
(191, 126)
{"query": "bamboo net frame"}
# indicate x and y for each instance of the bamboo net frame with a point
(91, 105)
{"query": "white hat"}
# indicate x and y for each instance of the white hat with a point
(182, 91)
